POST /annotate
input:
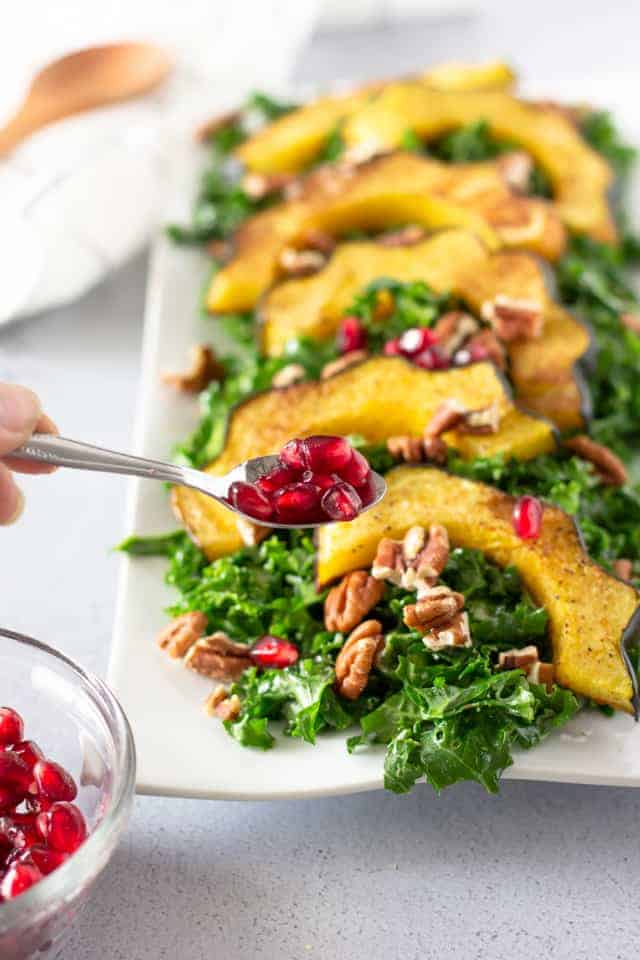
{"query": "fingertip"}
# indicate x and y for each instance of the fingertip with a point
(11, 498)
(20, 411)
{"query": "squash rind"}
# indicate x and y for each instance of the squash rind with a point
(544, 372)
(591, 613)
(378, 398)
(384, 192)
(580, 176)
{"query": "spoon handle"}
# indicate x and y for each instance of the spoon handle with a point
(62, 452)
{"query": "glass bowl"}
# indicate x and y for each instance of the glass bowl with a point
(77, 722)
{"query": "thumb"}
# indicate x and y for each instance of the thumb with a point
(20, 411)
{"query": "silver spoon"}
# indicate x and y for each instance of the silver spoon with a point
(62, 452)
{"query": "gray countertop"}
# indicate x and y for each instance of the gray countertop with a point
(542, 870)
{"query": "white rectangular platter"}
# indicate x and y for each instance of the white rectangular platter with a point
(181, 751)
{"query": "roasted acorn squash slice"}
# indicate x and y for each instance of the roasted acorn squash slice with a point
(290, 144)
(589, 611)
(542, 370)
(379, 398)
(579, 176)
(384, 192)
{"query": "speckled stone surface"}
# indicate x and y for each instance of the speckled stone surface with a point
(541, 871)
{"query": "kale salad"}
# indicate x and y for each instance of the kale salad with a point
(442, 713)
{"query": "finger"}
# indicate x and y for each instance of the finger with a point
(11, 499)
(19, 413)
(44, 425)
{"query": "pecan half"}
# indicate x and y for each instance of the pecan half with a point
(485, 420)
(204, 368)
(607, 465)
(252, 533)
(623, 568)
(405, 237)
(436, 608)
(453, 415)
(453, 634)
(453, 328)
(261, 185)
(356, 659)
(300, 263)
(292, 373)
(220, 704)
(513, 319)
(182, 633)
(218, 657)
(486, 340)
(631, 321)
(222, 120)
(414, 562)
(341, 363)
(351, 600)
(516, 169)
(409, 449)
(528, 660)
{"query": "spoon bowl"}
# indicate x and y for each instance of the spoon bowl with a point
(94, 77)
(62, 452)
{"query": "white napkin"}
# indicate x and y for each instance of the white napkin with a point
(82, 196)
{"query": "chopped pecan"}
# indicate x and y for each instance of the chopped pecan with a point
(409, 449)
(485, 420)
(218, 657)
(436, 608)
(416, 561)
(356, 659)
(631, 321)
(516, 169)
(384, 306)
(486, 341)
(207, 129)
(528, 660)
(405, 237)
(607, 465)
(300, 263)
(260, 185)
(292, 373)
(318, 240)
(513, 319)
(453, 415)
(341, 363)
(204, 368)
(453, 634)
(623, 568)
(453, 328)
(220, 704)
(182, 633)
(435, 449)
(251, 533)
(351, 600)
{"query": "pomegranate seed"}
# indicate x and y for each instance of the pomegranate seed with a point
(14, 773)
(62, 827)
(8, 799)
(415, 340)
(327, 454)
(250, 500)
(321, 480)
(11, 727)
(431, 359)
(294, 454)
(357, 470)
(53, 781)
(351, 335)
(297, 503)
(279, 477)
(23, 831)
(462, 358)
(478, 352)
(46, 860)
(18, 878)
(527, 517)
(28, 751)
(342, 502)
(274, 652)
(392, 348)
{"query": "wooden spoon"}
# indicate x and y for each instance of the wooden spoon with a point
(81, 81)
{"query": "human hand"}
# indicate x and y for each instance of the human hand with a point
(20, 416)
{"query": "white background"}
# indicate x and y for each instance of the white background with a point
(541, 871)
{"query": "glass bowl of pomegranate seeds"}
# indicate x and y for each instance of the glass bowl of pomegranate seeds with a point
(315, 480)
(67, 776)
